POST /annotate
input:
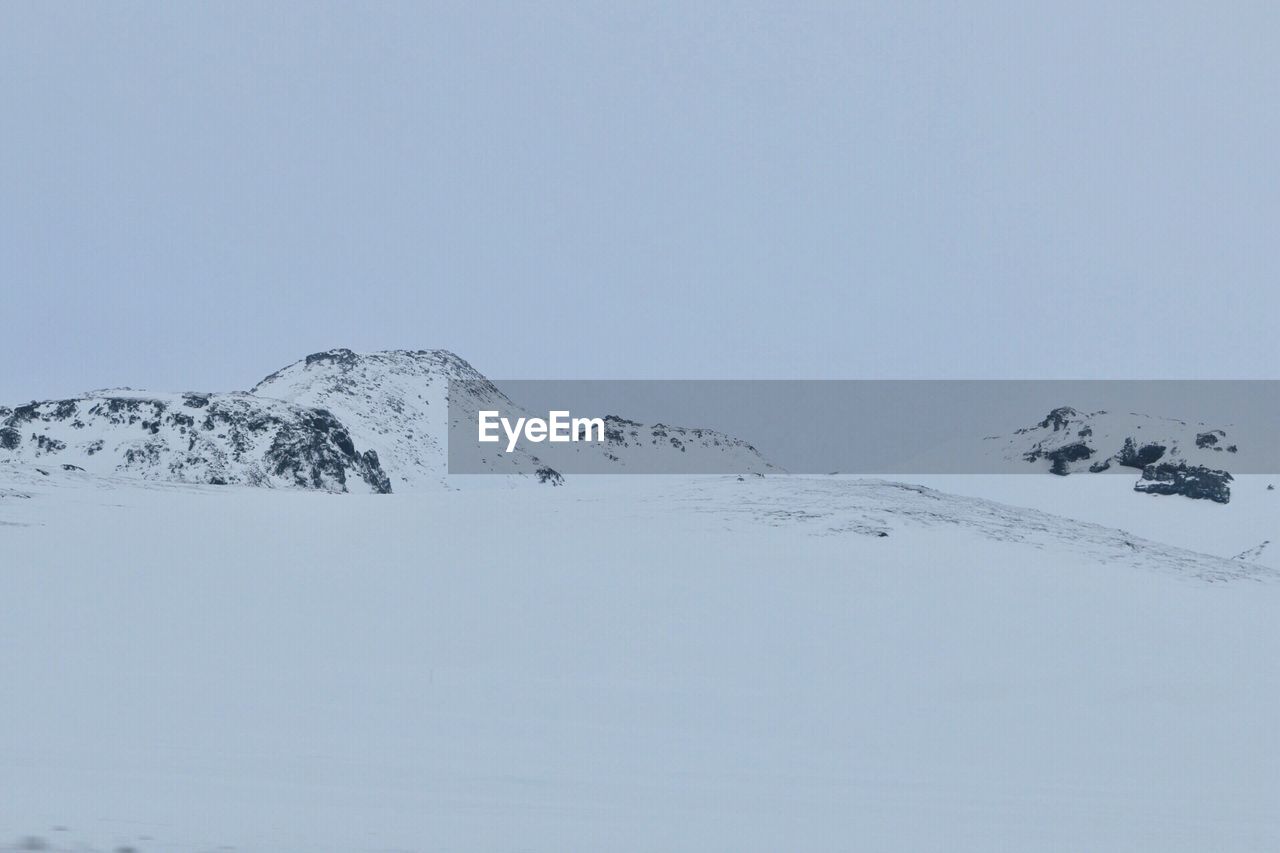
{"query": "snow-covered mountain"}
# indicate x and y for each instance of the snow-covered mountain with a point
(1173, 456)
(337, 421)
(192, 438)
(397, 402)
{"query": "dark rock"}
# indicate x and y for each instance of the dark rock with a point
(616, 429)
(1192, 481)
(342, 356)
(23, 414)
(1210, 438)
(9, 438)
(69, 467)
(549, 475)
(371, 471)
(1061, 456)
(343, 440)
(1099, 467)
(48, 445)
(1059, 418)
(1134, 456)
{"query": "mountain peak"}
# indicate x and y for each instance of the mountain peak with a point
(342, 361)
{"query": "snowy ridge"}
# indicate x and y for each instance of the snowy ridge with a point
(824, 506)
(397, 402)
(335, 421)
(218, 439)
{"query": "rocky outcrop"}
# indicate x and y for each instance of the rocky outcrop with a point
(1061, 457)
(1059, 419)
(1175, 457)
(195, 438)
(1134, 456)
(549, 476)
(1193, 481)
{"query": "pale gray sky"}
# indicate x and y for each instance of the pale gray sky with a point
(192, 195)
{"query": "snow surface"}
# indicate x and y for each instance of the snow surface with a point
(630, 664)
(1251, 519)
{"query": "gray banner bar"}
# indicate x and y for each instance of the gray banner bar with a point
(862, 426)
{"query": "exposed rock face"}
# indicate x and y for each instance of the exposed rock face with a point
(548, 475)
(1059, 419)
(1173, 455)
(213, 438)
(1193, 481)
(1133, 456)
(1209, 439)
(1062, 457)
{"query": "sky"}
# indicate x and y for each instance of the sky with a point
(194, 195)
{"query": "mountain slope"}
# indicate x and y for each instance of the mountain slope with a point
(192, 438)
(398, 403)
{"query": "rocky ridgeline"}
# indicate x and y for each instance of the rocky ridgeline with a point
(1175, 457)
(336, 421)
(218, 439)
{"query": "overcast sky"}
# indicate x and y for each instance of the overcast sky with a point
(193, 195)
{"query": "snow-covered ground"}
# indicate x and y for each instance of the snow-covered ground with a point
(1247, 527)
(633, 664)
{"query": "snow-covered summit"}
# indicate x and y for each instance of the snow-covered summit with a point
(397, 402)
